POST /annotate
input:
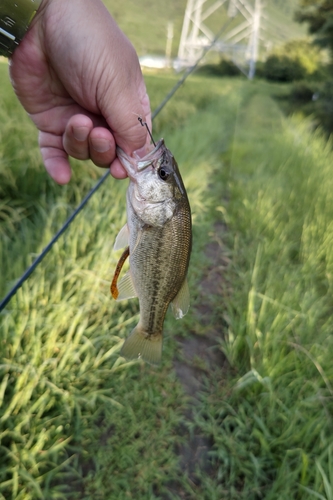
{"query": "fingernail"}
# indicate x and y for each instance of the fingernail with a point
(101, 145)
(81, 133)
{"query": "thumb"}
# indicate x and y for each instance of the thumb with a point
(126, 100)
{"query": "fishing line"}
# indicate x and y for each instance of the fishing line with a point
(48, 247)
(189, 71)
(145, 124)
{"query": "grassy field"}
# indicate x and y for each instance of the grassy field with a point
(64, 391)
(77, 421)
(273, 430)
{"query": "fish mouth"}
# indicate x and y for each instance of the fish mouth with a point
(134, 164)
(154, 154)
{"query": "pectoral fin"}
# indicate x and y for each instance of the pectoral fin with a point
(122, 238)
(126, 287)
(114, 285)
(181, 303)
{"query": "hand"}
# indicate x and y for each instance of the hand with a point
(79, 78)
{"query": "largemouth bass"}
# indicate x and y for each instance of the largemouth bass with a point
(157, 237)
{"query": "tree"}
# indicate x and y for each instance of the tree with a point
(319, 16)
(295, 60)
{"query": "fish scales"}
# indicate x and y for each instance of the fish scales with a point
(159, 267)
(159, 237)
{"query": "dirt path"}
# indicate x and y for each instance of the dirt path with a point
(201, 357)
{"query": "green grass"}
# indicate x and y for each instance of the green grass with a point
(273, 430)
(73, 414)
(78, 422)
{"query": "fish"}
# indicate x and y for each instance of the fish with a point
(157, 238)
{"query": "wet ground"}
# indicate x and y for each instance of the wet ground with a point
(201, 357)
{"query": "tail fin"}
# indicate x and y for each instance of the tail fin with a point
(141, 345)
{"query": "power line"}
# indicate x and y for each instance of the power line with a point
(48, 247)
(55, 238)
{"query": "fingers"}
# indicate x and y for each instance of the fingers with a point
(76, 137)
(82, 141)
(54, 157)
(101, 146)
(117, 170)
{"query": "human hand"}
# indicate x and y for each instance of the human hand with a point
(78, 77)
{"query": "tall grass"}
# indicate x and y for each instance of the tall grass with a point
(273, 431)
(77, 421)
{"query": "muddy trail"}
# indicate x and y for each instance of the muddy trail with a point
(198, 364)
(201, 361)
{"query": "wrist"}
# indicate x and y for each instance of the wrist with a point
(15, 19)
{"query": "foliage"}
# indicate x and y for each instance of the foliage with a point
(313, 99)
(318, 14)
(77, 422)
(287, 7)
(225, 67)
(272, 430)
(295, 60)
(323, 110)
(303, 92)
(282, 68)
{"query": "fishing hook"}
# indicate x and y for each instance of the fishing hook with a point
(144, 124)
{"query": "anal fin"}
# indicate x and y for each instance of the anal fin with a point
(181, 303)
(126, 289)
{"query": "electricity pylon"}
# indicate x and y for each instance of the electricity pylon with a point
(254, 39)
(241, 40)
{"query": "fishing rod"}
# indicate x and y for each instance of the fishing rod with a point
(85, 200)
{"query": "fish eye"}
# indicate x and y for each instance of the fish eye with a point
(163, 173)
